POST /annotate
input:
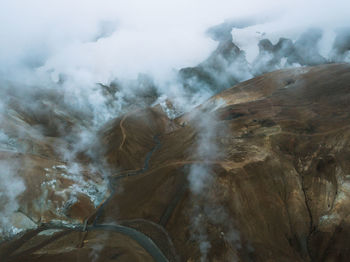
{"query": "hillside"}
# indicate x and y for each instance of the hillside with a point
(259, 172)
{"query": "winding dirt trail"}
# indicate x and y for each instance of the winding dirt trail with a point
(139, 237)
(122, 129)
(143, 240)
(225, 164)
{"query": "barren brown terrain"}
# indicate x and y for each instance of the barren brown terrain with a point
(278, 187)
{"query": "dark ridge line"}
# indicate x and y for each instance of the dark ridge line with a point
(143, 170)
(142, 239)
(146, 242)
(129, 223)
(17, 243)
(171, 207)
(41, 245)
(311, 224)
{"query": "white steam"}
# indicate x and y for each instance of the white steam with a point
(74, 45)
(11, 187)
(70, 66)
(96, 41)
(202, 180)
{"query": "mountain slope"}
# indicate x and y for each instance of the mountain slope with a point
(257, 173)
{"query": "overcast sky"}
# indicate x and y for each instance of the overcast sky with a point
(154, 36)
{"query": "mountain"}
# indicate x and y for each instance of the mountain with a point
(259, 172)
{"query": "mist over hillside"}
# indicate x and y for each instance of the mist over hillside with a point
(72, 73)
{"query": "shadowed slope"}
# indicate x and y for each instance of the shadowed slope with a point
(278, 190)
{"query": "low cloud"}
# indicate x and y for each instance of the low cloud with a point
(11, 187)
(70, 67)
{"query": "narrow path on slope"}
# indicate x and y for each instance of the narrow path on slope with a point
(168, 212)
(140, 171)
(142, 239)
(129, 173)
(122, 129)
(139, 237)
